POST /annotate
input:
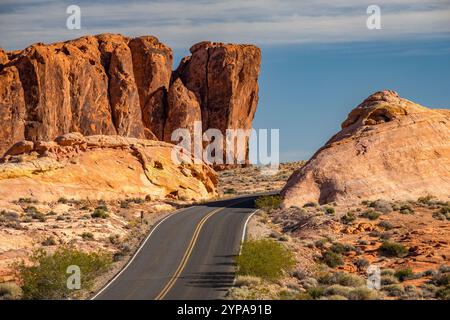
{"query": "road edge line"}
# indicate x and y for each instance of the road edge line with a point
(244, 234)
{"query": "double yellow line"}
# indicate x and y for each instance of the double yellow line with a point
(186, 256)
(188, 252)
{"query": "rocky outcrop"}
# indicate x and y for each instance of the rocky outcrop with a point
(388, 148)
(224, 79)
(114, 85)
(101, 167)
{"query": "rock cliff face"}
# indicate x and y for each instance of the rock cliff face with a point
(113, 85)
(388, 148)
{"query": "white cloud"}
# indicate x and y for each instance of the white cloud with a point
(264, 22)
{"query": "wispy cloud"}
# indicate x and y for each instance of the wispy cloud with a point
(264, 22)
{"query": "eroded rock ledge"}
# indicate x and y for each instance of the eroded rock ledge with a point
(101, 167)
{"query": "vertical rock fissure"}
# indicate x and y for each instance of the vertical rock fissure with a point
(105, 60)
(206, 121)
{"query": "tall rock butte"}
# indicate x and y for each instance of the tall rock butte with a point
(110, 84)
(388, 148)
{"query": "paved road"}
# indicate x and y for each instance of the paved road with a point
(189, 255)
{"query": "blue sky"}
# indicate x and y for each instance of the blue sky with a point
(319, 58)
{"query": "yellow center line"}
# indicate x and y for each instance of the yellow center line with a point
(188, 252)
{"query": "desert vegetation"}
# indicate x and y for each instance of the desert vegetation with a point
(333, 250)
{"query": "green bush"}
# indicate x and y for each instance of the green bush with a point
(371, 214)
(425, 200)
(315, 292)
(363, 293)
(343, 279)
(393, 290)
(341, 248)
(47, 277)
(394, 249)
(332, 259)
(230, 191)
(310, 205)
(386, 225)
(381, 206)
(50, 241)
(266, 259)
(406, 209)
(34, 213)
(337, 289)
(87, 236)
(268, 202)
(100, 212)
(329, 210)
(443, 293)
(404, 274)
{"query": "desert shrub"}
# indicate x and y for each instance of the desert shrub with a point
(443, 293)
(321, 243)
(309, 282)
(371, 214)
(27, 200)
(264, 258)
(34, 213)
(310, 205)
(342, 278)
(406, 209)
(334, 297)
(404, 274)
(386, 225)
(247, 281)
(87, 236)
(341, 248)
(441, 278)
(362, 263)
(10, 291)
(439, 216)
(100, 212)
(114, 239)
(388, 279)
(362, 293)
(349, 217)
(393, 249)
(425, 200)
(329, 210)
(337, 289)
(230, 191)
(47, 277)
(382, 206)
(63, 200)
(268, 202)
(387, 272)
(445, 209)
(315, 292)
(7, 216)
(50, 241)
(124, 204)
(332, 259)
(393, 290)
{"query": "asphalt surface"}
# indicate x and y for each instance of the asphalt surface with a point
(188, 255)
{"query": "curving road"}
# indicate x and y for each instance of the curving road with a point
(188, 255)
